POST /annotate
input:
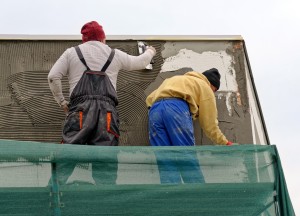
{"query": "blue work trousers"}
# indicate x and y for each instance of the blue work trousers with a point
(170, 124)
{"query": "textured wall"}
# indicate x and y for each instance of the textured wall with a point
(29, 112)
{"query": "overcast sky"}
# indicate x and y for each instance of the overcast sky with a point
(270, 28)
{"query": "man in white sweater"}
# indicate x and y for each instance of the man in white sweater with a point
(92, 69)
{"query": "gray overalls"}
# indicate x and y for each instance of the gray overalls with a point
(93, 118)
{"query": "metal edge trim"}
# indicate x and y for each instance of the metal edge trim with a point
(256, 95)
(124, 37)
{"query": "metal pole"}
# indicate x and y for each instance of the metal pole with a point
(55, 191)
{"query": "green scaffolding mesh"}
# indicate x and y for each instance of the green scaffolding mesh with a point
(53, 179)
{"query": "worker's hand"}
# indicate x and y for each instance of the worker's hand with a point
(64, 106)
(231, 143)
(152, 48)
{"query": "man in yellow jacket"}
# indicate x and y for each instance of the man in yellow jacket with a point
(179, 100)
(173, 106)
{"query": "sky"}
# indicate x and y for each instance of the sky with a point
(270, 28)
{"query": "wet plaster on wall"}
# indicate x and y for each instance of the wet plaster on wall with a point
(29, 111)
(173, 48)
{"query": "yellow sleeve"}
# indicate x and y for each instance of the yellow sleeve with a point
(149, 99)
(209, 123)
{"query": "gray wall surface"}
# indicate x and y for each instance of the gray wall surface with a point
(29, 112)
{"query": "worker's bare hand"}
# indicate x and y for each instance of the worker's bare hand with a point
(152, 48)
(65, 107)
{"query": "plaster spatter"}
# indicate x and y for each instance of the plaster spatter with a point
(228, 101)
(206, 60)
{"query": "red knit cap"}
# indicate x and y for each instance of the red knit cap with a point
(92, 31)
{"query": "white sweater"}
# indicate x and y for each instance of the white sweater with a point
(95, 54)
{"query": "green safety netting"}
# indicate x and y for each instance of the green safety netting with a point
(53, 179)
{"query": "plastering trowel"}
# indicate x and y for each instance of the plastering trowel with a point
(142, 46)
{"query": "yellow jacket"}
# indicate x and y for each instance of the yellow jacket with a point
(195, 89)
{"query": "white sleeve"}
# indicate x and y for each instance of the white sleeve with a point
(59, 69)
(129, 62)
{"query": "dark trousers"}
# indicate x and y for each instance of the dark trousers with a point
(91, 122)
(102, 173)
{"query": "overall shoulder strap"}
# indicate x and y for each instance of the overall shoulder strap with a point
(110, 58)
(79, 53)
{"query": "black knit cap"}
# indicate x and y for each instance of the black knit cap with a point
(213, 77)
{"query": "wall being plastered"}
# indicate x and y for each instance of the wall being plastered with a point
(29, 112)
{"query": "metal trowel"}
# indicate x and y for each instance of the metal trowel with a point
(142, 46)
